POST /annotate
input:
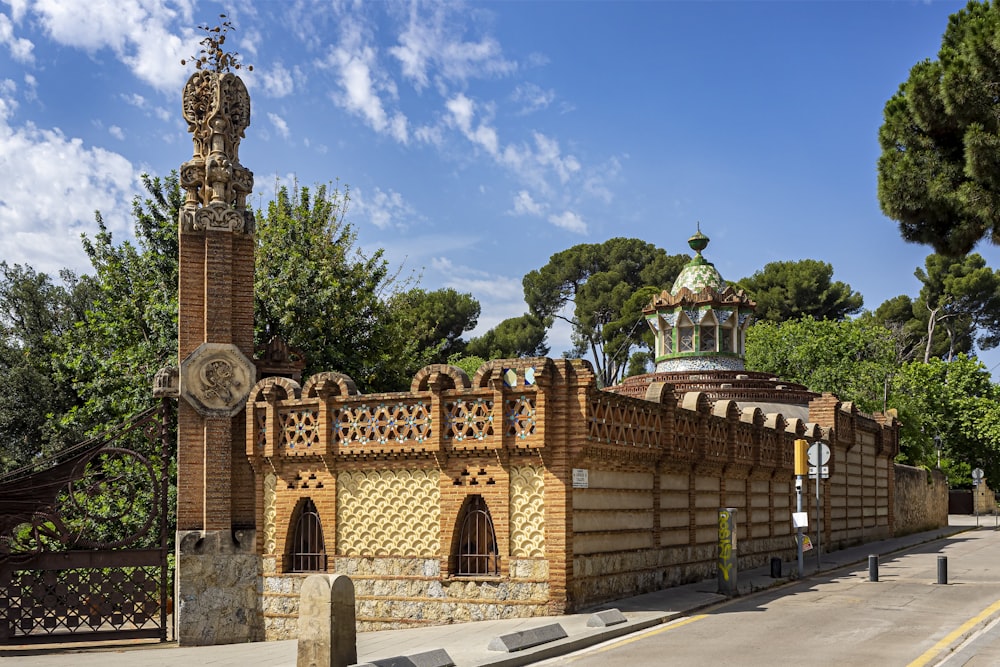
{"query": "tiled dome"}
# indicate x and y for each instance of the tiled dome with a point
(699, 272)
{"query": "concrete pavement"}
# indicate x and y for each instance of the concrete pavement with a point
(467, 643)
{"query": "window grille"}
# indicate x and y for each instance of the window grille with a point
(708, 338)
(308, 552)
(685, 339)
(477, 541)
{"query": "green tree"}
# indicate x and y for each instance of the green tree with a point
(315, 289)
(901, 317)
(34, 313)
(470, 364)
(435, 320)
(588, 286)
(522, 336)
(957, 402)
(962, 296)
(939, 171)
(129, 330)
(790, 290)
(854, 359)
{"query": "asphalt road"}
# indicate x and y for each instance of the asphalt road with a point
(842, 618)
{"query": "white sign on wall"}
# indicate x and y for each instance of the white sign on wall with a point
(581, 478)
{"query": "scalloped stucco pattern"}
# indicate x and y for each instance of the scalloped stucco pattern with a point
(270, 511)
(388, 512)
(527, 516)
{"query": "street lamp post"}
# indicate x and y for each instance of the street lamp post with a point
(937, 446)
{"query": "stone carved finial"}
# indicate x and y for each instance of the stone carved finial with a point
(166, 383)
(217, 110)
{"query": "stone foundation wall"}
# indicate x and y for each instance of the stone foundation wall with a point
(392, 593)
(984, 499)
(217, 600)
(921, 499)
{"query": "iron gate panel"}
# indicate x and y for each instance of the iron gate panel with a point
(84, 542)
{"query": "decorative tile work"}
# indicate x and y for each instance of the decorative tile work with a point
(365, 424)
(696, 276)
(527, 515)
(706, 363)
(299, 428)
(270, 511)
(468, 420)
(388, 512)
(519, 414)
(509, 378)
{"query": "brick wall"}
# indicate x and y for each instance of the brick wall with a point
(657, 473)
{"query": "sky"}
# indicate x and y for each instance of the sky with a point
(478, 139)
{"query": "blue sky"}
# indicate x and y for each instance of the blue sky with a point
(479, 139)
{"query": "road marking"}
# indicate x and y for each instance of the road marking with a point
(946, 641)
(649, 633)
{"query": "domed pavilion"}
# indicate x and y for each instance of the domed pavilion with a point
(699, 327)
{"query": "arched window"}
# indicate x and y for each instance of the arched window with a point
(476, 549)
(308, 551)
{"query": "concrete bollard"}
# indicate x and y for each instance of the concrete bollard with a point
(327, 630)
(942, 570)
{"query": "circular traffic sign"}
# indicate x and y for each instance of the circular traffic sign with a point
(819, 454)
(978, 474)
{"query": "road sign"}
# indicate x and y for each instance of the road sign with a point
(978, 474)
(824, 472)
(819, 454)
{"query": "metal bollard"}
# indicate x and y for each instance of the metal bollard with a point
(942, 570)
(776, 568)
(873, 567)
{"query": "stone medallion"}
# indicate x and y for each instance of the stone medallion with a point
(216, 379)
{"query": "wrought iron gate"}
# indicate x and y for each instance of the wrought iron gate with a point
(84, 542)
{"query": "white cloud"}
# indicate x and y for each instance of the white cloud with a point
(596, 183)
(383, 209)
(434, 43)
(137, 32)
(524, 204)
(20, 48)
(117, 132)
(17, 9)
(549, 155)
(362, 84)
(569, 221)
(532, 98)
(140, 102)
(278, 82)
(462, 110)
(77, 180)
(279, 124)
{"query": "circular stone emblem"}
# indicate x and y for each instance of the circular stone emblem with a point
(216, 379)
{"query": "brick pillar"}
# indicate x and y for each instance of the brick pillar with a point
(218, 568)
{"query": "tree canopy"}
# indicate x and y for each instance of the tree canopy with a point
(939, 171)
(790, 290)
(522, 336)
(435, 320)
(850, 358)
(589, 285)
(856, 361)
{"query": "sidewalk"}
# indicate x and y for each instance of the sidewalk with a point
(467, 643)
